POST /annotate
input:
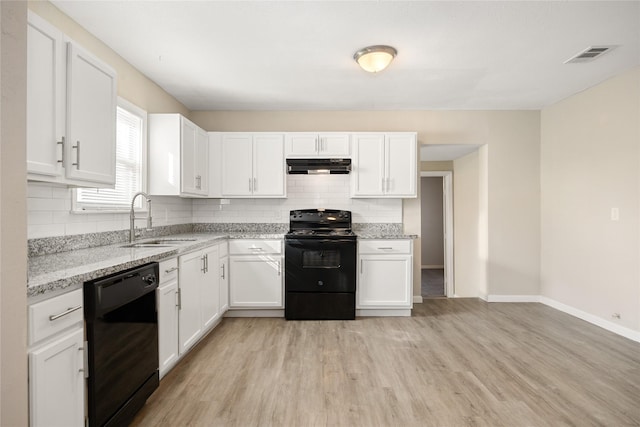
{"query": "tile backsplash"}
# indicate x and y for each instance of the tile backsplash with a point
(303, 192)
(49, 208)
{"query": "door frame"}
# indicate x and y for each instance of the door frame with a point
(447, 215)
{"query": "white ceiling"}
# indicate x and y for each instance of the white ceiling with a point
(297, 55)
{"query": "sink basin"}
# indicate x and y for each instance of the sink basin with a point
(158, 243)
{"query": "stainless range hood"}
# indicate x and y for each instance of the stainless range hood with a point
(318, 166)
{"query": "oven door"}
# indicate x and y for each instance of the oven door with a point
(320, 265)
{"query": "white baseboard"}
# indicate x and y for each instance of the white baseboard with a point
(417, 299)
(383, 312)
(513, 298)
(254, 313)
(595, 320)
(432, 267)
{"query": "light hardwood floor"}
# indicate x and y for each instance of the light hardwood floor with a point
(455, 362)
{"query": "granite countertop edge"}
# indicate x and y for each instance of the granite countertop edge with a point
(56, 274)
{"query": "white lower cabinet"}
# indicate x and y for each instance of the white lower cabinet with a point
(190, 301)
(385, 275)
(256, 274)
(168, 311)
(224, 277)
(56, 362)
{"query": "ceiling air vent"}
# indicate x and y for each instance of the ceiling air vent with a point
(590, 54)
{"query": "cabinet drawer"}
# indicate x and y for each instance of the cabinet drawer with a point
(253, 247)
(384, 246)
(168, 270)
(49, 317)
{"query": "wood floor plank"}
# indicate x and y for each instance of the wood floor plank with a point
(455, 362)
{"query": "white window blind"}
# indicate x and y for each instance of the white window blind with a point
(129, 156)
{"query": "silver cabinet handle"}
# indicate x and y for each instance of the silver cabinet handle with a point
(61, 143)
(202, 268)
(386, 248)
(198, 182)
(254, 248)
(179, 299)
(171, 270)
(77, 147)
(206, 263)
(64, 313)
(361, 266)
(85, 359)
(222, 267)
(278, 268)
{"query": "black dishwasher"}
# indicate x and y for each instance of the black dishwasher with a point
(122, 334)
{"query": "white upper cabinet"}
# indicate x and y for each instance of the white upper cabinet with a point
(178, 157)
(71, 110)
(384, 165)
(251, 165)
(46, 67)
(322, 145)
(91, 117)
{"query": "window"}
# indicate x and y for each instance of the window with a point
(130, 165)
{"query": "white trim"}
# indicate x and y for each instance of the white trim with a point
(595, 320)
(417, 299)
(383, 312)
(513, 298)
(432, 267)
(235, 312)
(447, 206)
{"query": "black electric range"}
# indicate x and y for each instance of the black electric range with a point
(320, 265)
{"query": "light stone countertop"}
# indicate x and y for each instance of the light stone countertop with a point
(385, 236)
(59, 273)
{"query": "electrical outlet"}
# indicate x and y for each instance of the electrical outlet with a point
(615, 214)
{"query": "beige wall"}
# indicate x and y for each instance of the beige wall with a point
(436, 166)
(590, 164)
(512, 170)
(13, 226)
(132, 84)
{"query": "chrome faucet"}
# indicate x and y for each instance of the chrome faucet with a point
(132, 216)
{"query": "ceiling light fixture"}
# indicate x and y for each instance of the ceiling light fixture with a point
(375, 58)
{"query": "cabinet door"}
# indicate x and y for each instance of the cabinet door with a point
(333, 145)
(45, 97)
(384, 281)
(188, 158)
(255, 281)
(91, 118)
(191, 268)
(400, 166)
(168, 312)
(268, 165)
(224, 284)
(56, 382)
(210, 291)
(236, 159)
(367, 178)
(301, 145)
(202, 162)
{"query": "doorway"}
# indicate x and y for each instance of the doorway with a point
(437, 234)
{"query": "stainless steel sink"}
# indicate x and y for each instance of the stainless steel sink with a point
(158, 243)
